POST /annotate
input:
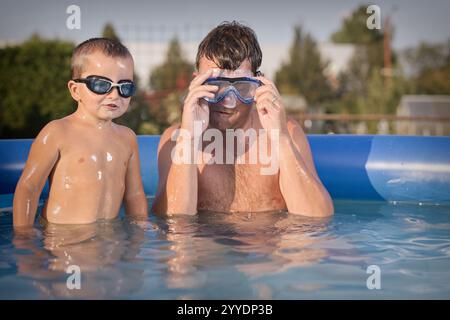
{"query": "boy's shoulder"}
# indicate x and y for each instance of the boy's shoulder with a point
(125, 132)
(50, 135)
(54, 126)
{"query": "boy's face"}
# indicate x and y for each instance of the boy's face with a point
(103, 106)
(230, 113)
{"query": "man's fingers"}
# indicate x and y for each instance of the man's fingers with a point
(193, 98)
(268, 95)
(264, 80)
(267, 83)
(206, 88)
(261, 107)
(263, 90)
(198, 80)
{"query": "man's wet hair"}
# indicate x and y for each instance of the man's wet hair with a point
(229, 44)
(109, 47)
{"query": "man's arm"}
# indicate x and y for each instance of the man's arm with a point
(134, 196)
(43, 155)
(300, 185)
(178, 182)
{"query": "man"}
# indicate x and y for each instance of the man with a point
(229, 96)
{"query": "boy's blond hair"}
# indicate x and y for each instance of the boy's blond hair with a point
(108, 47)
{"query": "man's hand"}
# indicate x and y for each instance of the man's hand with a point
(195, 108)
(270, 107)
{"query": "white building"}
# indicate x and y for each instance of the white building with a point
(436, 106)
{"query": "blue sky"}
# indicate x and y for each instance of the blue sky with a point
(273, 21)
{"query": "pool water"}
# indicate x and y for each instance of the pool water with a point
(236, 256)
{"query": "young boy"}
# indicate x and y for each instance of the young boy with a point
(92, 163)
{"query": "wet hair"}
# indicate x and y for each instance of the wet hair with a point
(229, 44)
(109, 47)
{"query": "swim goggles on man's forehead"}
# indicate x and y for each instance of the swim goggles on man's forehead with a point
(243, 88)
(102, 85)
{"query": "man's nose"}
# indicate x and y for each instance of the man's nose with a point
(229, 101)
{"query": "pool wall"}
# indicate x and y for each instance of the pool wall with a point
(361, 167)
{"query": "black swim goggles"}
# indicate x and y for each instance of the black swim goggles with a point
(102, 85)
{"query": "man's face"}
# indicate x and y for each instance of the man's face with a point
(110, 105)
(230, 113)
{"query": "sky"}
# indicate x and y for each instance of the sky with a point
(273, 20)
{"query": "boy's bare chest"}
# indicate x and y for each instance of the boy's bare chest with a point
(90, 155)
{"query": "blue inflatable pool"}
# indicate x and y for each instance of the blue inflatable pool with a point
(390, 168)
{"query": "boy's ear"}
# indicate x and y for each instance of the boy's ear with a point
(74, 90)
(195, 73)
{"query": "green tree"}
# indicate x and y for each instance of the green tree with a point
(174, 73)
(109, 32)
(303, 73)
(430, 65)
(370, 42)
(137, 116)
(33, 86)
(169, 82)
(363, 87)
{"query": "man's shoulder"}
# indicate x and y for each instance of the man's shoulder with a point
(291, 122)
(294, 128)
(167, 134)
(167, 142)
(171, 129)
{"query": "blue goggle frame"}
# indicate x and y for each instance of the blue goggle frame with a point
(244, 97)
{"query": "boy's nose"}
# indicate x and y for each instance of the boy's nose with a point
(114, 93)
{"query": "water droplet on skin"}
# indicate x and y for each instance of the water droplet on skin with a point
(120, 65)
(94, 158)
(99, 175)
(108, 157)
(28, 207)
(44, 139)
(67, 182)
(56, 210)
(31, 172)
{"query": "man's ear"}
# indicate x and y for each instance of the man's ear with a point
(74, 90)
(195, 73)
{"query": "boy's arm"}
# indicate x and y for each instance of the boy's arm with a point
(43, 155)
(134, 197)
